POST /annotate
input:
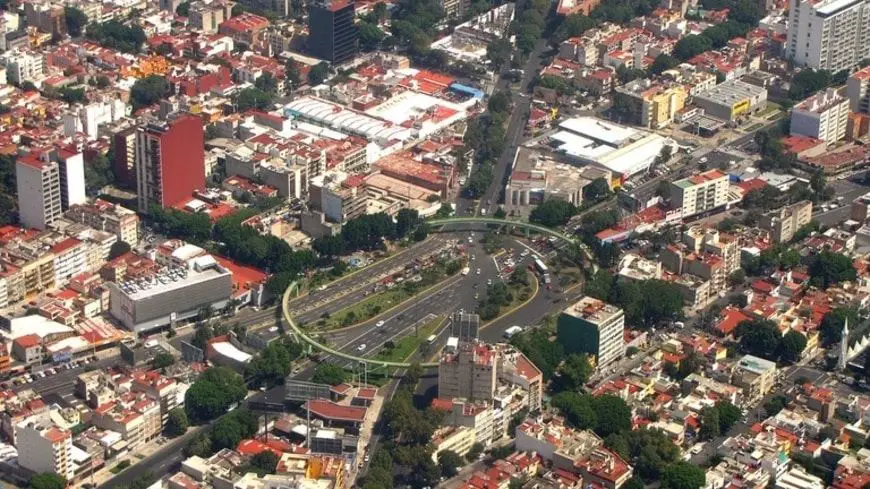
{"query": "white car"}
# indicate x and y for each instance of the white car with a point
(379, 324)
(477, 271)
(362, 347)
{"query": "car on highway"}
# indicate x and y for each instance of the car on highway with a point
(379, 323)
(477, 271)
(362, 347)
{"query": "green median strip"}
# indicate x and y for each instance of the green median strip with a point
(381, 302)
(406, 346)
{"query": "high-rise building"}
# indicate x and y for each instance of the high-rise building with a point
(170, 161)
(699, 193)
(332, 32)
(594, 327)
(124, 164)
(42, 447)
(829, 34)
(38, 186)
(464, 326)
(822, 116)
(470, 373)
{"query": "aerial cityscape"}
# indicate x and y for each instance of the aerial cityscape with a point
(418, 244)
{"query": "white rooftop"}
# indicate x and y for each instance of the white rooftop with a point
(599, 130)
(35, 324)
(343, 119)
(228, 350)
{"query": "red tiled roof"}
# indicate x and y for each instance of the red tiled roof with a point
(28, 341)
(330, 410)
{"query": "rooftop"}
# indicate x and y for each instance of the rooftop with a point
(592, 310)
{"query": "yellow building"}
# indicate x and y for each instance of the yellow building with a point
(650, 104)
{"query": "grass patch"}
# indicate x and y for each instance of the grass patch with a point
(122, 465)
(406, 346)
(377, 303)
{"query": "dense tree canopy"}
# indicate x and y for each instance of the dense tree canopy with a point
(115, 35)
(760, 337)
(552, 213)
(273, 364)
(75, 19)
(830, 268)
(327, 373)
(216, 390)
(536, 345)
(832, 324)
(683, 475)
(46, 481)
(176, 423)
(148, 91)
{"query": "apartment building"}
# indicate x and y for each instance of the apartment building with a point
(44, 448)
(162, 389)
(699, 193)
(170, 161)
(38, 185)
(784, 223)
(650, 104)
(339, 196)
(136, 419)
(124, 164)
(755, 376)
(828, 35)
(555, 442)
(207, 17)
(106, 216)
(24, 66)
(822, 116)
(705, 253)
(594, 327)
(470, 373)
(87, 119)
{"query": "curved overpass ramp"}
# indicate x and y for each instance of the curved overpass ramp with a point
(293, 288)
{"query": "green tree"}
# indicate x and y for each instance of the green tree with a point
(574, 25)
(832, 324)
(46, 481)
(200, 446)
(147, 91)
(253, 98)
(574, 372)
(578, 409)
(829, 268)
(499, 52)
(115, 35)
(118, 248)
(729, 415)
(612, 415)
(690, 46)
(163, 360)
(596, 190)
(554, 212)
(449, 462)
(75, 21)
(266, 83)
(774, 405)
(710, 423)
(663, 62)
(760, 338)
(318, 73)
(265, 462)
(370, 36)
(176, 422)
(273, 364)
(792, 346)
(327, 373)
(183, 9)
(213, 393)
(474, 452)
(683, 475)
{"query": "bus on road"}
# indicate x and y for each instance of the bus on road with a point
(540, 265)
